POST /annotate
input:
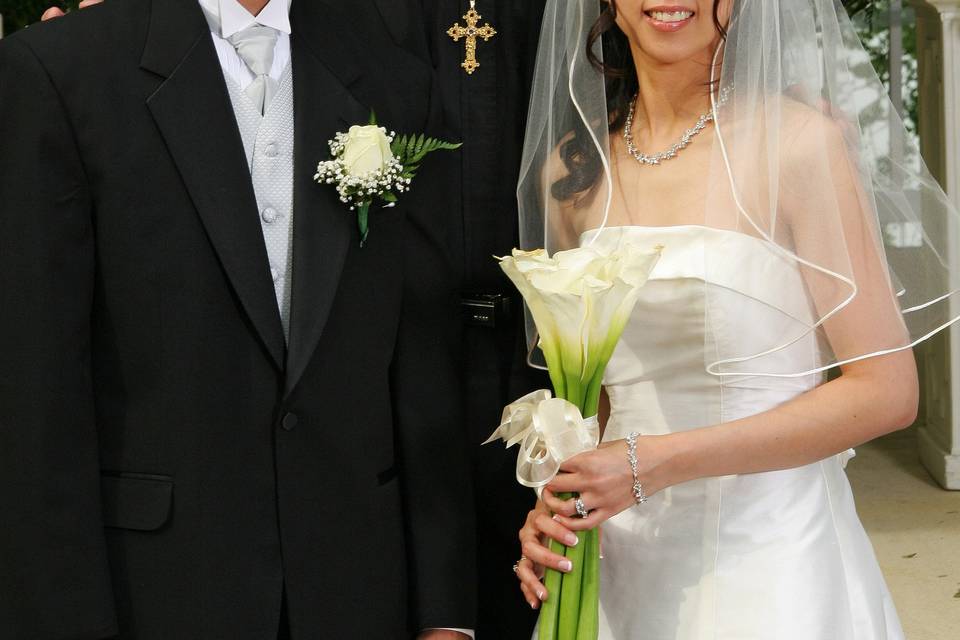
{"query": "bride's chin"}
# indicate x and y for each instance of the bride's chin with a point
(675, 48)
(659, 54)
(668, 56)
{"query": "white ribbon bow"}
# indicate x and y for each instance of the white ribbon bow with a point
(550, 430)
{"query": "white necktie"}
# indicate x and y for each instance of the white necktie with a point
(255, 45)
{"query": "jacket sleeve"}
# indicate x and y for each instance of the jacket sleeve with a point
(54, 576)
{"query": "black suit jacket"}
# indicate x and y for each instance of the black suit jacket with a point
(167, 467)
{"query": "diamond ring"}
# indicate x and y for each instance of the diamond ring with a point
(516, 565)
(581, 508)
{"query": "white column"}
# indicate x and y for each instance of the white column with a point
(939, 52)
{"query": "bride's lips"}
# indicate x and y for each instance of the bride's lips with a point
(668, 18)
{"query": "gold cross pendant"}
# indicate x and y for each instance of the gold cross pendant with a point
(471, 32)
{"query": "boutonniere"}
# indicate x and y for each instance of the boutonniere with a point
(369, 165)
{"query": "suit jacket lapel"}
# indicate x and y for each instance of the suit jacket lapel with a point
(193, 111)
(324, 227)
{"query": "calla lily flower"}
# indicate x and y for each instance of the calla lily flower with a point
(580, 300)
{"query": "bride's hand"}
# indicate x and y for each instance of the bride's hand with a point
(539, 527)
(604, 481)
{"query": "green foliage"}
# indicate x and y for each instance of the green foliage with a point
(411, 150)
(873, 26)
(18, 14)
(856, 6)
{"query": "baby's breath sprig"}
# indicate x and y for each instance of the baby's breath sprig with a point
(393, 177)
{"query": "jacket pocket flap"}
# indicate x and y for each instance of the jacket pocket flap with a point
(137, 502)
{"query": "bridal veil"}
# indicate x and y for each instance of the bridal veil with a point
(808, 161)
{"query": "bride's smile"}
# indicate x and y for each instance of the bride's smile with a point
(669, 19)
(674, 32)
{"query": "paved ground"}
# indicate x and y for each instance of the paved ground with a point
(915, 529)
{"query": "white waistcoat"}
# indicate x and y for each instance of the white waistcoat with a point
(268, 143)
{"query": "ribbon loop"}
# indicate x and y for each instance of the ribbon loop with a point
(550, 431)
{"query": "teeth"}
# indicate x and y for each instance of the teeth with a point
(670, 16)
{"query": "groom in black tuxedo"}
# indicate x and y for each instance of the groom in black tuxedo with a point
(172, 465)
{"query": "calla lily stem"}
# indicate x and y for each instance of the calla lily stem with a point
(571, 612)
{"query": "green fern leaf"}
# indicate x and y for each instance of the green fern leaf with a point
(399, 147)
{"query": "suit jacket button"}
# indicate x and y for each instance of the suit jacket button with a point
(289, 422)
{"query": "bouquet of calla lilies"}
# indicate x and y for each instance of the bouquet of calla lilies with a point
(580, 300)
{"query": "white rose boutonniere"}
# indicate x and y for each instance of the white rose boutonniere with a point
(369, 164)
(367, 149)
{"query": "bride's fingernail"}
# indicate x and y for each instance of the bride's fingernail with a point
(572, 540)
(566, 565)
(556, 517)
(540, 594)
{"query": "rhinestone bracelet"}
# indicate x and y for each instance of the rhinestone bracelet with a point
(638, 494)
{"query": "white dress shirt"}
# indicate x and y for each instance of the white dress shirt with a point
(233, 18)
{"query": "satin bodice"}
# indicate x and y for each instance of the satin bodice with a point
(691, 314)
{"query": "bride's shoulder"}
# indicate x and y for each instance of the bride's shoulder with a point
(812, 135)
(818, 147)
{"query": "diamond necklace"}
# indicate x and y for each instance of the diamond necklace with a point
(685, 139)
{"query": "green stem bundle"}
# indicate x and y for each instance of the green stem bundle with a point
(571, 611)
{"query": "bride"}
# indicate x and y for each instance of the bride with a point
(753, 141)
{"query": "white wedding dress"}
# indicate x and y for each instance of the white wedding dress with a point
(777, 555)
